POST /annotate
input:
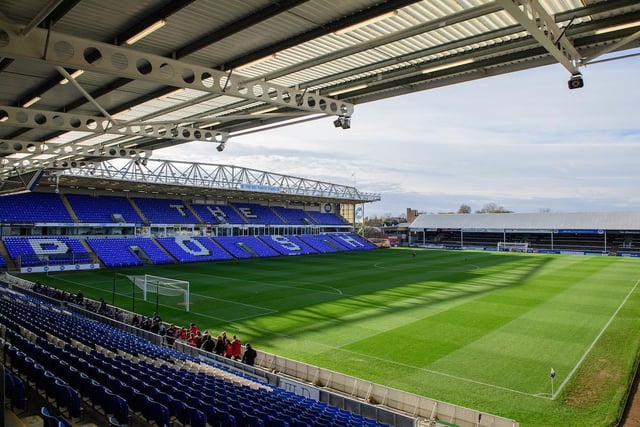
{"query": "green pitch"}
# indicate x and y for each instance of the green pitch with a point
(477, 329)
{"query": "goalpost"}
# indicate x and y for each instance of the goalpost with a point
(162, 286)
(513, 247)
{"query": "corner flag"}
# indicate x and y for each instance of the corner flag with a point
(553, 373)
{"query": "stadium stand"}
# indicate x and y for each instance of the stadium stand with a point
(288, 245)
(327, 218)
(351, 241)
(103, 209)
(320, 243)
(77, 362)
(165, 211)
(34, 207)
(44, 250)
(245, 246)
(294, 216)
(193, 249)
(218, 214)
(258, 214)
(123, 252)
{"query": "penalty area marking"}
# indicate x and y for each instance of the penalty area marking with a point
(593, 343)
(471, 267)
(335, 291)
(265, 310)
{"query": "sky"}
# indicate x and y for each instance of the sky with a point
(523, 141)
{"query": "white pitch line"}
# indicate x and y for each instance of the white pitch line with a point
(342, 349)
(381, 265)
(275, 285)
(593, 343)
(265, 310)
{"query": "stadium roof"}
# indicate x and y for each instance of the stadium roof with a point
(202, 181)
(92, 80)
(628, 221)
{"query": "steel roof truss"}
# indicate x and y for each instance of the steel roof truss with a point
(220, 177)
(537, 21)
(612, 47)
(79, 53)
(27, 117)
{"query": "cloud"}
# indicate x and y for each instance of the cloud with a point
(522, 140)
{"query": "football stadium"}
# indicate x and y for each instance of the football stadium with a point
(137, 290)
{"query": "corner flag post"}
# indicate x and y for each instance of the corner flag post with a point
(552, 375)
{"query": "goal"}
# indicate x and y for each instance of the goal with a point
(162, 286)
(513, 247)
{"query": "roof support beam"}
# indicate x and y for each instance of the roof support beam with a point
(72, 150)
(535, 19)
(27, 117)
(78, 53)
(612, 47)
(41, 16)
(89, 98)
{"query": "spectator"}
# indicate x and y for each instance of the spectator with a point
(249, 356)
(193, 328)
(220, 346)
(103, 306)
(228, 349)
(171, 335)
(236, 348)
(208, 343)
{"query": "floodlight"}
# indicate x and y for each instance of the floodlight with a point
(346, 122)
(576, 82)
(220, 147)
(343, 122)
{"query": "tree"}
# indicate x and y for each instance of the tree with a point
(492, 208)
(464, 209)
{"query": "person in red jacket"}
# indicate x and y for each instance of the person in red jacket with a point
(236, 348)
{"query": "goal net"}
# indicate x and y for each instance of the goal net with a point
(165, 286)
(513, 247)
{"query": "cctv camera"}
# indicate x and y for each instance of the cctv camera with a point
(576, 82)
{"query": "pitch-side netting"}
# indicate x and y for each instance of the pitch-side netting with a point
(162, 286)
(513, 247)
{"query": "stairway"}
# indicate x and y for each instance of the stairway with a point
(67, 205)
(3, 251)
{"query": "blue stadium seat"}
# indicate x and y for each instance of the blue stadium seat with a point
(48, 420)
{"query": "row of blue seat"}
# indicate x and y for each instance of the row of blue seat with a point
(47, 207)
(170, 393)
(134, 251)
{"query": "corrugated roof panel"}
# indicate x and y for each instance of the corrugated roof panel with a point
(366, 58)
(532, 221)
(102, 20)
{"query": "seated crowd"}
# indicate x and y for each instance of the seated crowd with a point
(221, 345)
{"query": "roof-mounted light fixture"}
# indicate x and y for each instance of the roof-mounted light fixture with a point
(348, 89)
(144, 33)
(30, 102)
(366, 22)
(264, 110)
(447, 65)
(75, 75)
(255, 62)
(617, 28)
(173, 92)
